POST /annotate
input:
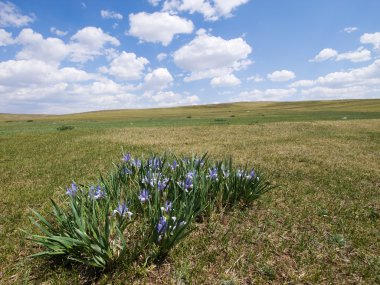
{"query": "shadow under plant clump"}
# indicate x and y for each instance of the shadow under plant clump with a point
(141, 209)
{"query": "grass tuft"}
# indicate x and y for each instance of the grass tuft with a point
(65, 128)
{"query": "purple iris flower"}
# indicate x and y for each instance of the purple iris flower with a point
(188, 184)
(72, 190)
(162, 184)
(162, 225)
(174, 165)
(127, 171)
(149, 179)
(191, 174)
(127, 157)
(158, 163)
(213, 173)
(136, 163)
(155, 163)
(96, 193)
(251, 174)
(144, 195)
(122, 210)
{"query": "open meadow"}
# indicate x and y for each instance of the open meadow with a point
(319, 225)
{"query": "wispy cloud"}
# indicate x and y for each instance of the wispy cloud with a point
(350, 30)
(106, 14)
(11, 16)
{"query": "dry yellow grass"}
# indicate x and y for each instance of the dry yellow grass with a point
(314, 228)
(334, 143)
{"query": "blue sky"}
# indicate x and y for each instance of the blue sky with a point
(71, 56)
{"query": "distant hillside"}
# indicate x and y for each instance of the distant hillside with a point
(272, 111)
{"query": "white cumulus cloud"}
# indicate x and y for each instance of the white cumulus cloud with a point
(85, 45)
(107, 14)
(302, 83)
(363, 82)
(266, 95)
(207, 56)
(360, 55)
(281, 75)
(367, 75)
(159, 27)
(170, 98)
(211, 10)
(126, 66)
(325, 54)
(158, 79)
(255, 78)
(225, 7)
(373, 39)
(10, 16)
(227, 80)
(89, 43)
(35, 72)
(5, 38)
(161, 56)
(58, 32)
(35, 47)
(154, 2)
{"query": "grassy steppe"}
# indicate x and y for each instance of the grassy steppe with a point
(320, 225)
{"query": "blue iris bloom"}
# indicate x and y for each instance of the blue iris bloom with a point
(188, 183)
(127, 171)
(252, 174)
(168, 206)
(144, 195)
(162, 225)
(136, 163)
(127, 157)
(162, 184)
(155, 163)
(96, 193)
(72, 190)
(150, 179)
(122, 210)
(174, 165)
(213, 173)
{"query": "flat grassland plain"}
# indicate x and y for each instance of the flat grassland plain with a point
(321, 224)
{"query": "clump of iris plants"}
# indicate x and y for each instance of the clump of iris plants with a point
(142, 209)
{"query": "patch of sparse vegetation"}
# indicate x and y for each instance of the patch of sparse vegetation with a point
(65, 128)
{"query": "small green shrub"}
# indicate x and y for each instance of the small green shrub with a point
(65, 128)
